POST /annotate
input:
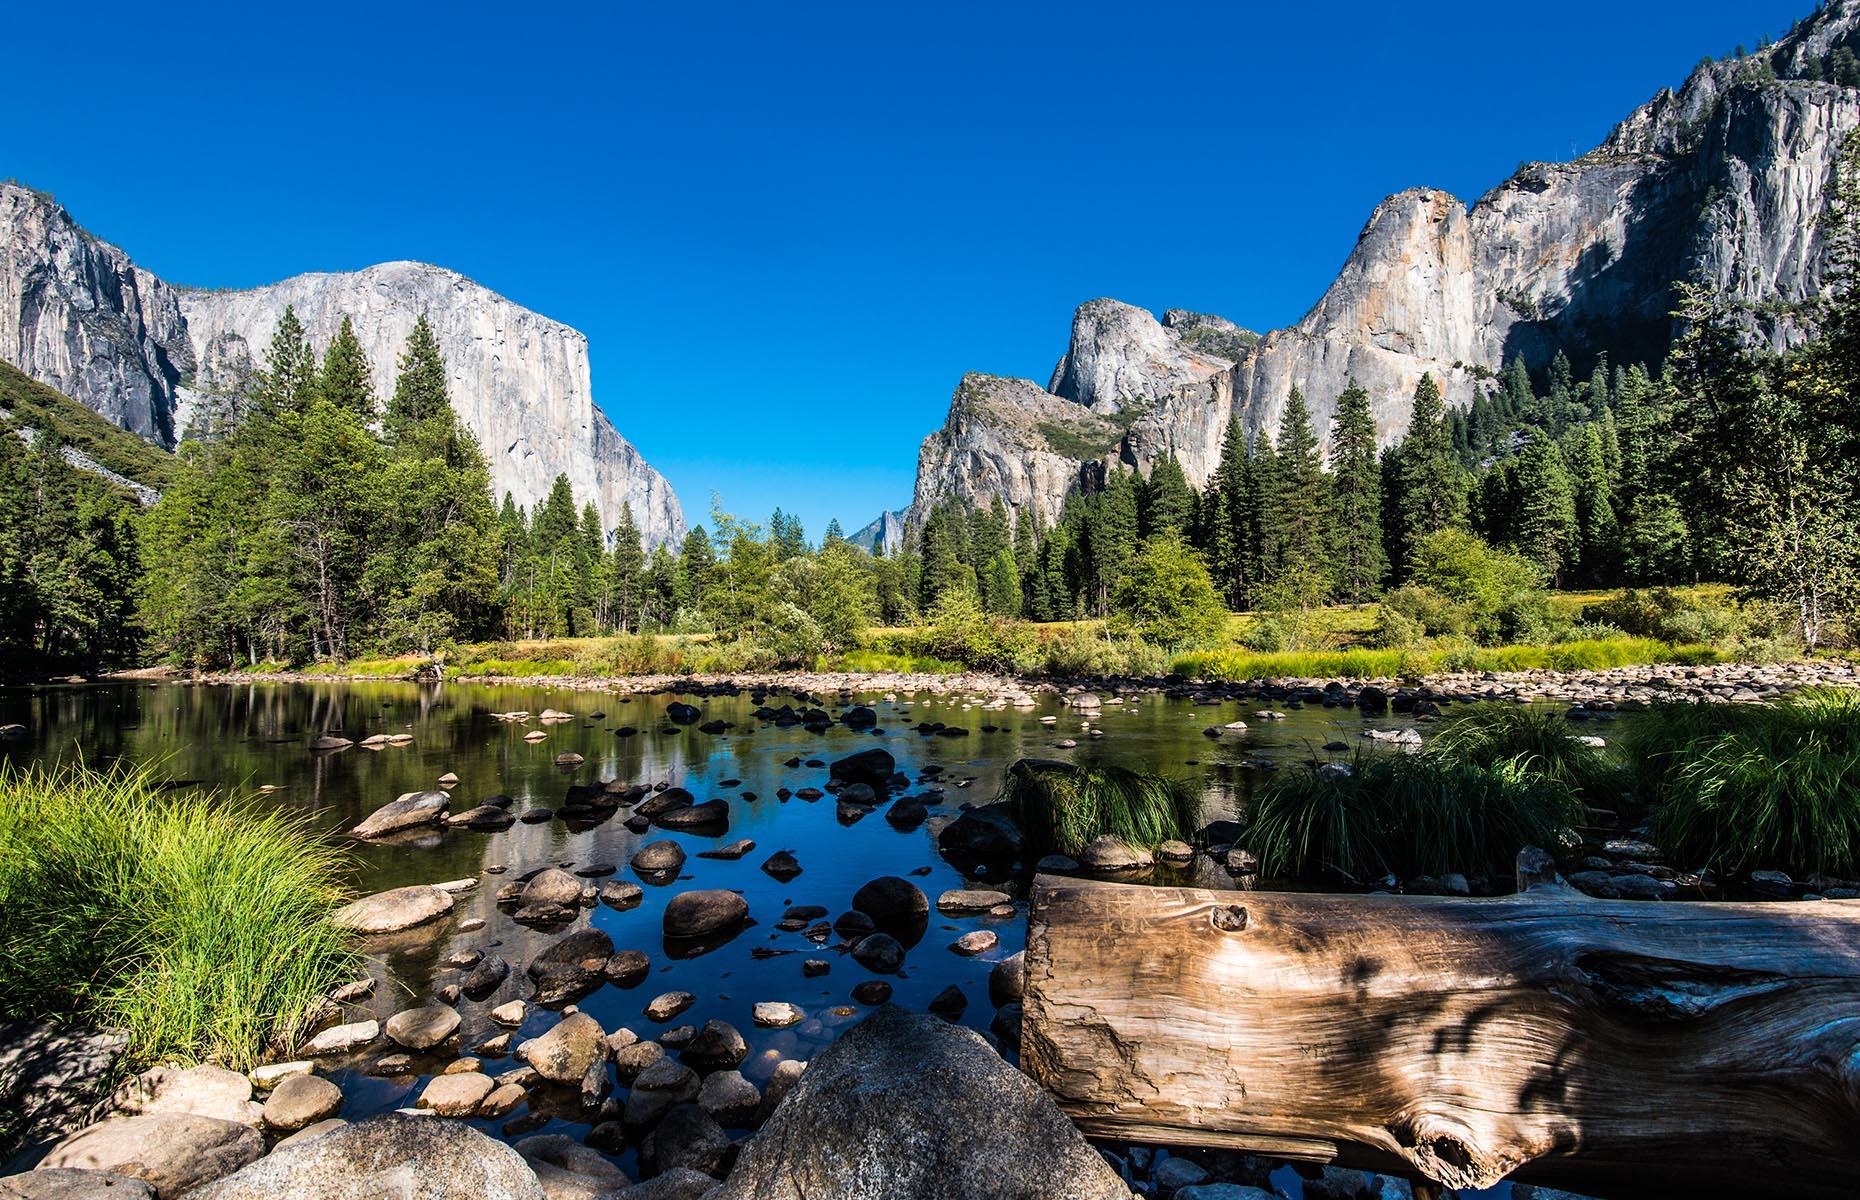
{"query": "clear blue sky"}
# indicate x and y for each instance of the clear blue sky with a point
(788, 229)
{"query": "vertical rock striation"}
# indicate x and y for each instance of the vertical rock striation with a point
(1721, 181)
(75, 313)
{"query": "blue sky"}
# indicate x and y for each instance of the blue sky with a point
(787, 230)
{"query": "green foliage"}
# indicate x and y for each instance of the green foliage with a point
(198, 924)
(1357, 558)
(26, 403)
(1743, 787)
(1166, 597)
(1063, 807)
(69, 560)
(1410, 814)
(1540, 739)
(1495, 596)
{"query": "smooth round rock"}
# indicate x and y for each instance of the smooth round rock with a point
(712, 910)
(300, 1101)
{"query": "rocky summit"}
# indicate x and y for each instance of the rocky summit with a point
(77, 314)
(1721, 180)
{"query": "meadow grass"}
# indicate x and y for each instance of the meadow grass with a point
(1757, 786)
(1063, 807)
(1410, 814)
(197, 923)
(1364, 663)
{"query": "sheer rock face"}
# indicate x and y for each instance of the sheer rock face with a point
(1012, 438)
(76, 314)
(1722, 180)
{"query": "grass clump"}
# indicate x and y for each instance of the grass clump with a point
(198, 924)
(1420, 814)
(1062, 807)
(1746, 787)
(1538, 739)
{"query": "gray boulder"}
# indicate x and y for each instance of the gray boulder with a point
(909, 1107)
(409, 812)
(171, 1152)
(390, 1157)
(70, 1183)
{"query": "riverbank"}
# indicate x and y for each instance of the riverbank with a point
(1630, 685)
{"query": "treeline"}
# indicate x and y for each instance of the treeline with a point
(69, 561)
(306, 519)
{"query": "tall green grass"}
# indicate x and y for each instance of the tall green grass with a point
(198, 924)
(1538, 739)
(1741, 787)
(1062, 807)
(1410, 814)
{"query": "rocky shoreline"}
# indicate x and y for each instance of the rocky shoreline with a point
(1619, 686)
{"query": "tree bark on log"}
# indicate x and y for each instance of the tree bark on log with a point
(1618, 1047)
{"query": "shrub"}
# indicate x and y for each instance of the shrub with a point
(1165, 596)
(1500, 594)
(198, 924)
(1420, 814)
(1062, 807)
(961, 632)
(1758, 786)
(1396, 630)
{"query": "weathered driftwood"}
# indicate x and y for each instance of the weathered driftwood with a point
(1618, 1047)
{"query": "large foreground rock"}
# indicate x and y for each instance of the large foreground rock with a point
(67, 1183)
(171, 1152)
(389, 1157)
(909, 1107)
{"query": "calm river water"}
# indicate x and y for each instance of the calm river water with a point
(237, 738)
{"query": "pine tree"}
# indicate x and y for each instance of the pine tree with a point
(288, 380)
(1357, 558)
(1429, 493)
(627, 570)
(1543, 525)
(345, 380)
(420, 389)
(1559, 402)
(1111, 535)
(697, 559)
(1518, 403)
(834, 535)
(1597, 532)
(1297, 515)
(1226, 537)
(1165, 502)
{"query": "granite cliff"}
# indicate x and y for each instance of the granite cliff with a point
(1720, 181)
(78, 315)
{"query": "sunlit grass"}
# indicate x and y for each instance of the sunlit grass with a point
(1364, 663)
(197, 923)
(1538, 738)
(1758, 786)
(1062, 807)
(1407, 814)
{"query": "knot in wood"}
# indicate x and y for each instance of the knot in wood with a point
(1229, 918)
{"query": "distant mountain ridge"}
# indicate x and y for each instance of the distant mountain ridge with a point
(1720, 181)
(78, 315)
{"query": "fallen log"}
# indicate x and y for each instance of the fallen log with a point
(1612, 1047)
